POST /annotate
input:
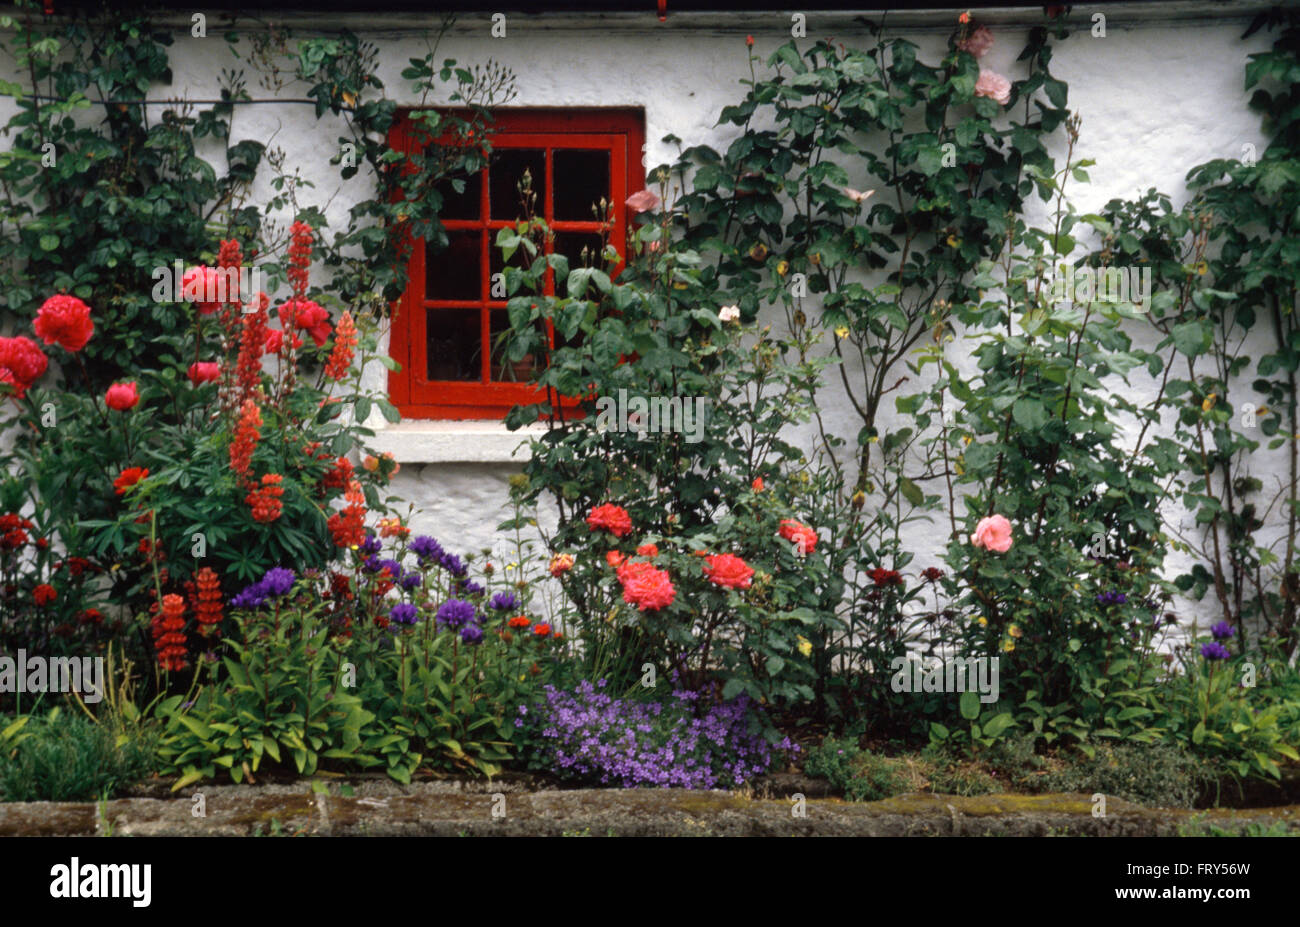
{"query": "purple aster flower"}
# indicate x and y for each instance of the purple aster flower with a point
(471, 634)
(278, 581)
(426, 548)
(393, 567)
(403, 613)
(452, 564)
(371, 545)
(1215, 651)
(411, 581)
(1111, 598)
(1223, 631)
(469, 587)
(455, 614)
(504, 602)
(252, 596)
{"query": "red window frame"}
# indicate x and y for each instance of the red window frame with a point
(622, 132)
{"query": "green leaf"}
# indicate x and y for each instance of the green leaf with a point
(970, 705)
(911, 492)
(997, 724)
(1029, 414)
(1191, 338)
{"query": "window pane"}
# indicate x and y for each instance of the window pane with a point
(581, 180)
(454, 344)
(503, 369)
(464, 205)
(571, 245)
(455, 272)
(505, 175)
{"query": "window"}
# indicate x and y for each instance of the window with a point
(446, 325)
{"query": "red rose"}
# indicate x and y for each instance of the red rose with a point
(309, 316)
(64, 320)
(728, 571)
(646, 586)
(204, 372)
(21, 363)
(275, 341)
(611, 518)
(122, 396)
(128, 478)
(803, 537)
(647, 550)
(615, 558)
(206, 286)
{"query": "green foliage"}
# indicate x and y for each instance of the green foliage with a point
(860, 774)
(323, 678)
(688, 483)
(65, 756)
(1225, 270)
(1155, 775)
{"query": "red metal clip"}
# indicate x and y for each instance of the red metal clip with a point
(663, 11)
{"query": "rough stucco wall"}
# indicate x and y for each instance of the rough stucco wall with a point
(1156, 99)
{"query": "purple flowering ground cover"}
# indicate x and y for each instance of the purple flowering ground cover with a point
(588, 735)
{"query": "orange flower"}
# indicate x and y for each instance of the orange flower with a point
(561, 564)
(519, 621)
(542, 630)
(392, 528)
(757, 484)
(345, 340)
(615, 558)
(647, 550)
(245, 440)
(265, 500)
(348, 528)
(803, 537)
(169, 633)
(728, 571)
(611, 518)
(128, 478)
(207, 600)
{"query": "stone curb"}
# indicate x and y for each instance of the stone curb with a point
(446, 809)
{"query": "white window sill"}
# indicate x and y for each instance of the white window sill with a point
(419, 441)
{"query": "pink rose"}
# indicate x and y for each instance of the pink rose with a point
(978, 42)
(993, 85)
(993, 533)
(204, 372)
(642, 200)
(122, 396)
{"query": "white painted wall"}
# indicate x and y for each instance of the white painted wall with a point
(1157, 96)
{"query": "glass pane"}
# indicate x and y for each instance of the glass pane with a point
(572, 245)
(503, 369)
(505, 175)
(454, 344)
(581, 180)
(455, 273)
(463, 205)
